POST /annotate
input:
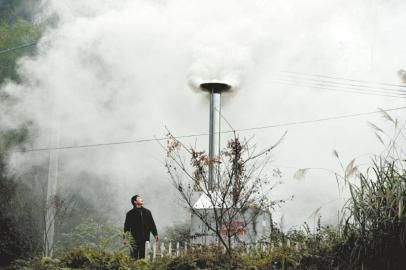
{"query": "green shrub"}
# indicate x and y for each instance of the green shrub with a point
(142, 265)
(277, 258)
(374, 230)
(76, 258)
(91, 258)
(92, 234)
(203, 258)
(182, 263)
(45, 263)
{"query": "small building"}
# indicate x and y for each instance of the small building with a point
(250, 226)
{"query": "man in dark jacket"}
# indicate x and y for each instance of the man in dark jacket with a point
(140, 224)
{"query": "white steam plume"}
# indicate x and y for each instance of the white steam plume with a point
(120, 70)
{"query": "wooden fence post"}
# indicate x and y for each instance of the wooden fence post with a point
(170, 249)
(263, 247)
(177, 249)
(162, 249)
(147, 248)
(154, 251)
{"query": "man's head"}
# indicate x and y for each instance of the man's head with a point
(137, 201)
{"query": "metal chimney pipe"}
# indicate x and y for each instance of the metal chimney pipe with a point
(215, 89)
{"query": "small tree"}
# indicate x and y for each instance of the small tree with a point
(242, 183)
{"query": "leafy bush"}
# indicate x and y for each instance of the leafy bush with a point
(47, 263)
(142, 265)
(11, 35)
(76, 258)
(278, 258)
(205, 257)
(91, 258)
(374, 231)
(92, 234)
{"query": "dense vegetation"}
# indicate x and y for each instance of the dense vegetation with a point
(16, 28)
(20, 231)
(20, 202)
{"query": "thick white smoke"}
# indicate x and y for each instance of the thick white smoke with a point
(113, 71)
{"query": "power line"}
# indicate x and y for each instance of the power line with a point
(223, 132)
(320, 119)
(341, 78)
(19, 47)
(358, 86)
(336, 88)
(332, 85)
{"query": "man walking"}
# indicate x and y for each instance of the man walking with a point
(140, 224)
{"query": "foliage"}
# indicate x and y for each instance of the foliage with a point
(374, 229)
(372, 232)
(239, 184)
(91, 222)
(13, 34)
(282, 257)
(316, 248)
(46, 263)
(177, 233)
(92, 234)
(205, 257)
(20, 203)
(142, 265)
(91, 258)
(12, 10)
(19, 230)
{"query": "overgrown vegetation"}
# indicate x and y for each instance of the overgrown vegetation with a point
(20, 232)
(238, 195)
(15, 33)
(20, 201)
(374, 230)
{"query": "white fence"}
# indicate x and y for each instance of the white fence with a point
(171, 249)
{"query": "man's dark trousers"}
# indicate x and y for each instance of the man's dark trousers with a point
(138, 250)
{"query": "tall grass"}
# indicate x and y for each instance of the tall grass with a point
(374, 222)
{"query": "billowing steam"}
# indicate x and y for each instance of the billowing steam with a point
(120, 70)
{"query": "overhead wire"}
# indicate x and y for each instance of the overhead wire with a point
(342, 78)
(287, 124)
(22, 46)
(357, 86)
(321, 86)
(330, 83)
